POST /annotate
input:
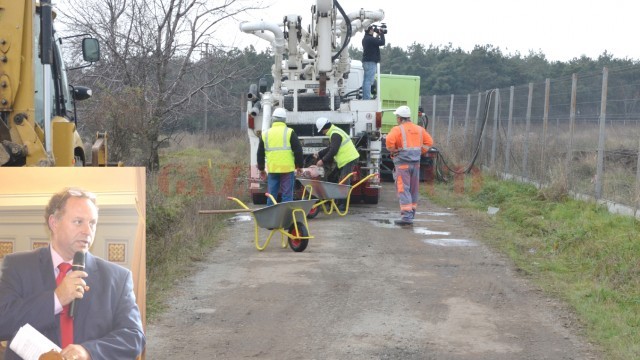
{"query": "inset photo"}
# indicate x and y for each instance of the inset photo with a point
(72, 263)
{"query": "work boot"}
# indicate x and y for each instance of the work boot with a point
(403, 222)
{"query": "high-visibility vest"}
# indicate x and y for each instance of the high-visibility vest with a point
(277, 148)
(347, 151)
(411, 143)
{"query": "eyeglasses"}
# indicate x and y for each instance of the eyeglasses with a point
(59, 200)
(80, 193)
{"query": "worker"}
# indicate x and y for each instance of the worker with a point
(406, 143)
(341, 150)
(280, 148)
(371, 42)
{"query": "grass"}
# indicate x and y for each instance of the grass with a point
(576, 251)
(197, 172)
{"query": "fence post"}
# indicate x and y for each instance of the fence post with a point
(638, 183)
(545, 125)
(433, 118)
(494, 143)
(478, 127)
(572, 125)
(509, 125)
(601, 134)
(450, 128)
(525, 156)
(466, 123)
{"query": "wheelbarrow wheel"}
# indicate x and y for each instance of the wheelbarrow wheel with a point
(313, 212)
(295, 242)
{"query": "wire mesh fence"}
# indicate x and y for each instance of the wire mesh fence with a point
(580, 134)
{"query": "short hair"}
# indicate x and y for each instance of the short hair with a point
(58, 201)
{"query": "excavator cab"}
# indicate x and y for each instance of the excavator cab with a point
(38, 118)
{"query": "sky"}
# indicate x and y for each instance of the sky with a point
(561, 29)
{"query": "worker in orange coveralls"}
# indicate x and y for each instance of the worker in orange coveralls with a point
(407, 142)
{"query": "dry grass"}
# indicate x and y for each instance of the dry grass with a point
(197, 172)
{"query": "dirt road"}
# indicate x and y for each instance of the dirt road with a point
(363, 289)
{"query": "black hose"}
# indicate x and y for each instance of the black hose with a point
(476, 151)
(347, 39)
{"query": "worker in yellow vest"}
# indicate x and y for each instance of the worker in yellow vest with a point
(341, 150)
(280, 148)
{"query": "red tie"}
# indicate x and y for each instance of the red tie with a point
(66, 321)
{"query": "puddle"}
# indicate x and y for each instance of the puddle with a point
(383, 212)
(427, 220)
(425, 231)
(431, 213)
(385, 223)
(240, 218)
(450, 242)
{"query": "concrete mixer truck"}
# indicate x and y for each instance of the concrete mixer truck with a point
(313, 76)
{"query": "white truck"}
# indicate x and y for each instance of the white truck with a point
(313, 76)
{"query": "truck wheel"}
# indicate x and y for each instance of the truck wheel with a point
(371, 199)
(297, 244)
(312, 102)
(259, 199)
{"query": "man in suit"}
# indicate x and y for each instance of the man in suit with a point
(34, 289)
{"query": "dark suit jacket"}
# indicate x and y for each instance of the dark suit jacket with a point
(107, 320)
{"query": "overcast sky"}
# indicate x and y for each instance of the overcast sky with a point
(561, 29)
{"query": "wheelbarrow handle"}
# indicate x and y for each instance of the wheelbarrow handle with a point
(224, 211)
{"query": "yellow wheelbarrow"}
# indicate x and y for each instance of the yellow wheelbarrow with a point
(288, 218)
(327, 193)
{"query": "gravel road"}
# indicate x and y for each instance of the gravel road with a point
(363, 289)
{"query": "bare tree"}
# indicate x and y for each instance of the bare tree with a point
(153, 65)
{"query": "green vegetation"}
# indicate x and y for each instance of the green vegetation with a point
(574, 250)
(176, 234)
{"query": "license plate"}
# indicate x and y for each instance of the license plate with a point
(311, 149)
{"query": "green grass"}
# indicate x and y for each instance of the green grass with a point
(576, 251)
(198, 173)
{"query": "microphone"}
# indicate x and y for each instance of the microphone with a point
(78, 264)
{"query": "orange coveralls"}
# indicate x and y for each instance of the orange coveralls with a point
(407, 142)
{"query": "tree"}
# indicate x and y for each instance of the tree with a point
(157, 56)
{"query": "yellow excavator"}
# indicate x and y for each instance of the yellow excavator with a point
(38, 117)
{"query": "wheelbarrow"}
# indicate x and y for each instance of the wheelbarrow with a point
(287, 218)
(327, 193)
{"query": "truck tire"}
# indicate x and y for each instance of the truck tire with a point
(312, 102)
(371, 199)
(297, 244)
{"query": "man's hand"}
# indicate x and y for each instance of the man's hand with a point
(75, 352)
(72, 287)
(263, 174)
(298, 172)
(319, 163)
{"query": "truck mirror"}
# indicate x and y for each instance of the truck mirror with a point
(90, 50)
(81, 93)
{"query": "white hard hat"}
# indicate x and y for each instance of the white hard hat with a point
(403, 111)
(279, 114)
(321, 122)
